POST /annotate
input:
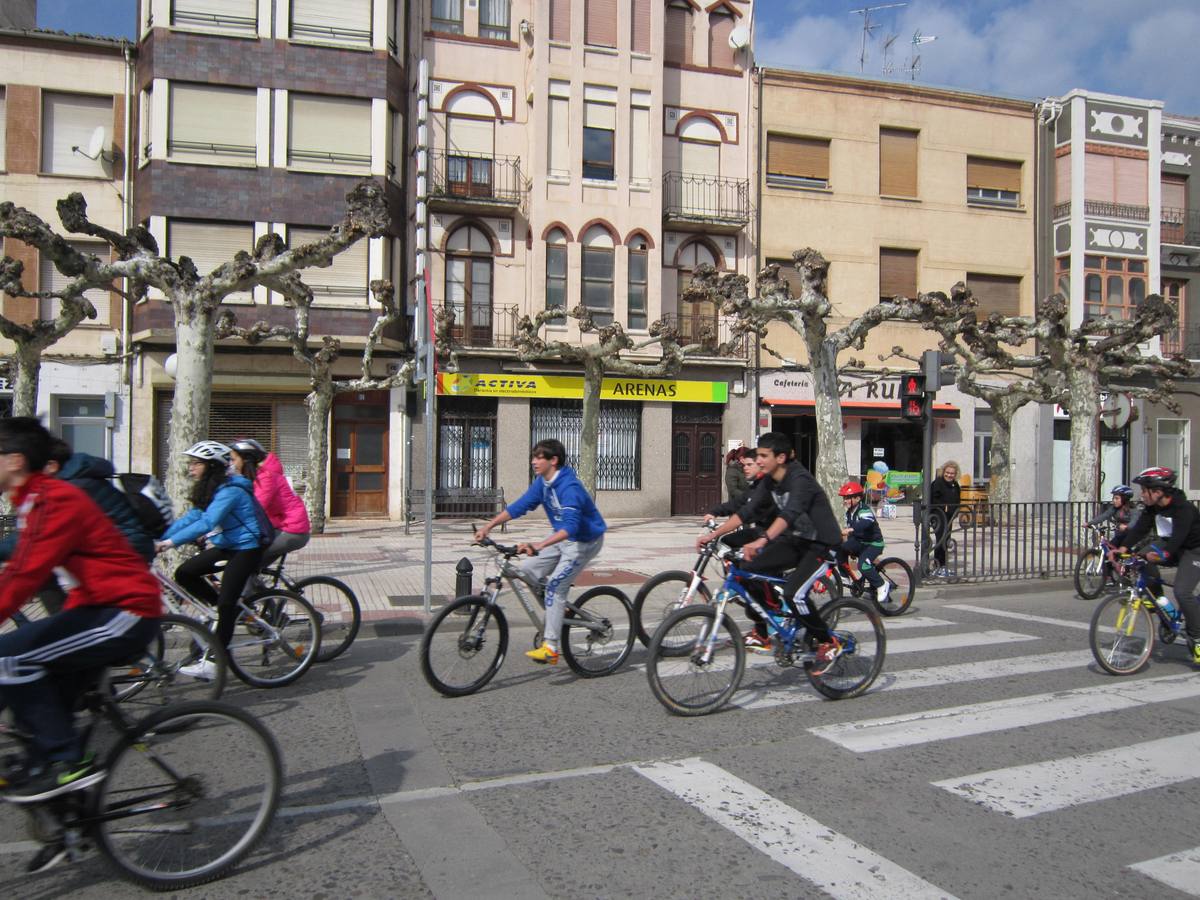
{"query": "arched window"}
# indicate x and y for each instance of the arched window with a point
(469, 285)
(697, 319)
(597, 274)
(677, 32)
(638, 279)
(470, 145)
(720, 27)
(556, 270)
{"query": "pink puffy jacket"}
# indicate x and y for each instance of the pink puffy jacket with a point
(285, 510)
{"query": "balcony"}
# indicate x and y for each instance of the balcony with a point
(476, 182)
(1105, 210)
(1184, 341)
(709, 330)
(483, 327)
(705, 202)
(1181, 227)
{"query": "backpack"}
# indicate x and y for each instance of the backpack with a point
(266, 531)
(149, 500)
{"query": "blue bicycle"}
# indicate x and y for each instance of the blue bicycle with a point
(697, 655)
(1123, 626)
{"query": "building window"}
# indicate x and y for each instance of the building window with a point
(559, 128)
(618, 449)
(469, 286)
(995, 294)
(640, 153)
(344, 281)
(797, 161)
(50, 279)
(639, 39)
(1174, 209)
(145, 125)
(600, 23)
(599, 132)
(209, 245)
(696, 317)
(69, 122)
(467, 443)
(789, 273)
(983, 444)
(447, 16)
(677, 33)
(897, 162)
(897, 273)
(2, 127)
(1062, 265)
(638, 280)
(1116, 181)
(1113, 286)
(720, 53)
(470, 148)
(235, 16)
(344, 22)
(993, 182)
(560, 21)
(212, 124)
(329, 134)
(1176, 341)
(597, 274)
(556, 271)
(494, 19)
(83, 425)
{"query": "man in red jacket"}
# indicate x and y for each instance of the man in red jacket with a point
(110, 615)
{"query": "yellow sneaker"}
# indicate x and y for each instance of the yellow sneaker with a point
(543, 655)
(1195, 652)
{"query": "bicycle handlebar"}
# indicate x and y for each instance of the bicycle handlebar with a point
(508, 551)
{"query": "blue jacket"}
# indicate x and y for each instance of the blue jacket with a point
(230, 520)
(568, 506)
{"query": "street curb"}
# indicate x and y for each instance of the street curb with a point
(993, 588)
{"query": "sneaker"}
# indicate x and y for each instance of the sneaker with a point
(47, 858)
(1195, 652)
(202, 670)
(881, 595)
(59, 777)
(826, 655)
(544, 655)
(758, 643)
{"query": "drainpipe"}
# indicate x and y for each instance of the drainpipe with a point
(758, 260)
(131, 158)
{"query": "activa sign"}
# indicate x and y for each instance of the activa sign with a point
(570, 387)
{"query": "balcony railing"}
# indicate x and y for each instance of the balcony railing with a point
(706, 200)
(483, 326)
(476, 179)
(1183, 341)
(1107, 210)
(711, 331)
(1181, 226)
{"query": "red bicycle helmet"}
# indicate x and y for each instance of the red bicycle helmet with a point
(850, 489)
(1156, 477)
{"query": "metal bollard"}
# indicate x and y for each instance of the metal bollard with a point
(462, 582)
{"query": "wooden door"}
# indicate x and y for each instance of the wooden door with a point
(360, 455)
(695, 467)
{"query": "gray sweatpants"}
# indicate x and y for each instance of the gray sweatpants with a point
(560, 564)
(1186, 579)
(285, 542)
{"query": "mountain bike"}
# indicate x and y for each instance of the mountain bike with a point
(1093, 569)
(1124, 625)
(697, 656)
(178, 799)
(337, 605)
(464, 646)
(897, 575)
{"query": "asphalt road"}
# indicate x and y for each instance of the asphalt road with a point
(992, 759)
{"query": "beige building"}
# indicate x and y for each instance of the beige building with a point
(904, 189)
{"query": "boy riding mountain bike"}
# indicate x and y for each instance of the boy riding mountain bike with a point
(862, 538)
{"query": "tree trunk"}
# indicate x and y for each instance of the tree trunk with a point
(1000, 454)
(1083, 386)
(28, 363)
(831, 470)
(192, 402)
(318, 403)
(593, 380)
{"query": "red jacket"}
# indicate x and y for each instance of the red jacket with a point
(60, 525)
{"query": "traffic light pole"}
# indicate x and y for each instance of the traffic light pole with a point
(926, 489)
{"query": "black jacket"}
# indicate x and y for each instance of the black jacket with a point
(945, 495)
(1177, 525)
(797, 498)
(763, 515)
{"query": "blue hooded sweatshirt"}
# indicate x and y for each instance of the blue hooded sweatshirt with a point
(230, 520)
(568, 506)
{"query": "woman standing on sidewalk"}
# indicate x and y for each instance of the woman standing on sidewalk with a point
(944, 498)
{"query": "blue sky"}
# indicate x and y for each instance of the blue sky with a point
(1022, 48)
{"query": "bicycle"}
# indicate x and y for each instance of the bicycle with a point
(1123, 628)
(470, 634)
(1093, 569)
(337, 605)
(276, 636)
(163, 810)
(896, 573)
(695, 644)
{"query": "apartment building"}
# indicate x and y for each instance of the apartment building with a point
(904, 189)
(586, 153)
(258, 116)
(64, 102)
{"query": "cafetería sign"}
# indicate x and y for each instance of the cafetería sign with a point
(570, 387)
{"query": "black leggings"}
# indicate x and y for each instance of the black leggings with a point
(239, 566)
(803, 559)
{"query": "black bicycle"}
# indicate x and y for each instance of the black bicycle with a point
(338, 607)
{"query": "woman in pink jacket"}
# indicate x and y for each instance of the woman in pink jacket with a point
(285, 510)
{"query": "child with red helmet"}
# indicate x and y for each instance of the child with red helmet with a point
(861, 537)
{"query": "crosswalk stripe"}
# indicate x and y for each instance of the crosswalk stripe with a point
(955, 641)
(1023, 791)
(1178, 870)
(831, 861)
(900, 623)
(1024, 617)
(999, 715)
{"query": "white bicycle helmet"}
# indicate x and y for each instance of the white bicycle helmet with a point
(209, 450)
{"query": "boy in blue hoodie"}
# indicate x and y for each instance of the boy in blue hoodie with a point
(577, 538)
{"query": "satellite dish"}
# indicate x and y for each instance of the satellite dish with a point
(739, 37)
(96, 143)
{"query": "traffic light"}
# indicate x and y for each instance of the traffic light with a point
(914, 401)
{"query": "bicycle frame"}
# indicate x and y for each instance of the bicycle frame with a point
(514, 576)
(179, 601)
(1139, 593)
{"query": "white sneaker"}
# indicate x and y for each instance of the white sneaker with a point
(203, 670)
(881, 596)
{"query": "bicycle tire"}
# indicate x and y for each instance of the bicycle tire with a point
(274, 660)
(1089, 574)
(1122, 634)
(214, 814)
(899, 575)
(659, 597)
(668, 672)
(860, 628)
(339, 609)
(154, 680)
(592, 653)
(458, 632)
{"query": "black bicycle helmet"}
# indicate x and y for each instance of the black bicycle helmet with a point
(1123, 490)
(250, 448)
(1156, 477)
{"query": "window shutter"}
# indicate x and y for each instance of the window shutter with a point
(720, 54)
(1099, 178)
(996, 294)
(697, 158)
(210, 122)
(50, 279)
(560, 134)
(994, 174)
(69, 120)
(470, 135)
(640, 39)
(2, 129)
(897, 162)
(797, 157)
(560, 20)
(209, 244)
(331, 132)
(1130, 178)
(1062, 179)
(345, 280)
(677, 39)
(347, 21)
(788, 272)
(897, 273)
(226, 15)
(600, 23)
(1174, 192)
(599, 115)
(639, 144)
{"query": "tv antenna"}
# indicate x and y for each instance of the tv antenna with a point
(914, 60)
(869, 26)
(888, 66)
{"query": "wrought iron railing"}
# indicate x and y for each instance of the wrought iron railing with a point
(1108, 210)
(711, 331)
(477, 177)
(1181, 226)
(708, 198)
(484, 326)
(1183, 341)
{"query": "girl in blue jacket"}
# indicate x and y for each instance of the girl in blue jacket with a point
(223, 513)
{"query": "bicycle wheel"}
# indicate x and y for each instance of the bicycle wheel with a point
(276, 639)
(691, 684)
(1122, 634)
(1089, 574)
(662, 595)
(898, 575)
(189, 792)
(464, 646)
(338, 608)
(598, 639)
(860, 632)
(155, 678)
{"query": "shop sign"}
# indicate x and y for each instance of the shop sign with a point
(798, 386)
(570, 387)
(903, 479)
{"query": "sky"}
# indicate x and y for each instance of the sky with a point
(1018, 48)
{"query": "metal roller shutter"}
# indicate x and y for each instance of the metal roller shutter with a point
(897, 273)
(897, 162)
(346, 21)
(600, 23)
(997, 174)
(345, 281)
(798, 157)
(50, 279)
(226, 15)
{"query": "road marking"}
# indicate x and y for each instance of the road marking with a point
(1015, 712)
(831, 861)
(899, 623)
(1024, 617)
(1178, 870)
(1024, 791)
(934, 642)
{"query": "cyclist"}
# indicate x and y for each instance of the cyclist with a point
(799, 538)
(862, 538)
(737, 478)
(224, 514)
(577, 537)
(285, 510)
(1177, 524)
(1122, 513)
(110, 614)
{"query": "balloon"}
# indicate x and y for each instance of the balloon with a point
(873, 478)
(880, 466)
